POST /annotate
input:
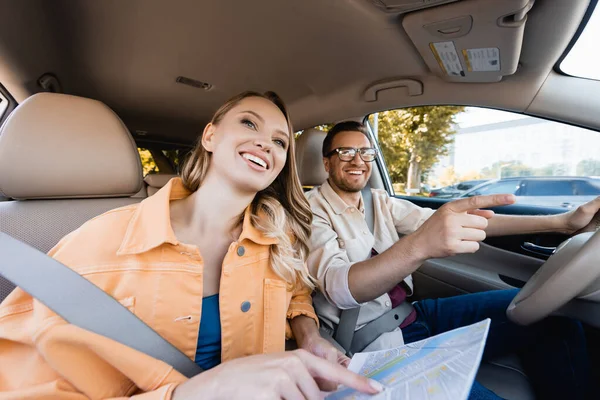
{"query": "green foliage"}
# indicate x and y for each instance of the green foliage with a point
(588, 167)
(324, 127)
(148, 164)
(554, 169)
(175, 156)
(417, 134)
(515, 168)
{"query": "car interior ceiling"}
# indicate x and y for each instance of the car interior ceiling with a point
(129, 56)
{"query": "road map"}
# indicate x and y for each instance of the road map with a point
(442, 367)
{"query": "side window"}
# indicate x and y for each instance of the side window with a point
(324, 128)
(585, 188)
(162, 161)
(510, 186)
(148, 164)
(549, 188)
(453, 152)
(3, 105)
(7, 103)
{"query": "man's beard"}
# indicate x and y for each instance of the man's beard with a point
(341, 184)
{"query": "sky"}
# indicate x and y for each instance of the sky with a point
(474, 116)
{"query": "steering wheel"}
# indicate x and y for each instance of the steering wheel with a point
(566, 274)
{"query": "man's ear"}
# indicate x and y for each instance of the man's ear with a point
(208, 137)
(326, 164)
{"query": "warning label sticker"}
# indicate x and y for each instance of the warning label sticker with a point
(480, 60)
(446, 55)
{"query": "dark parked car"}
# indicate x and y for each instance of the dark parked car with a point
(543, 191)
(455, 190)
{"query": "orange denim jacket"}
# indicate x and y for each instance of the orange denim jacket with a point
(133, 254)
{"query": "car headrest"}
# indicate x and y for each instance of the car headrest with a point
(157, 181)
(61, 146)
(309, 157)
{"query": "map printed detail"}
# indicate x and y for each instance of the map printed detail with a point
(442, 367)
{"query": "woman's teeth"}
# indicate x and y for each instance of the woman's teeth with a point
(255, 160)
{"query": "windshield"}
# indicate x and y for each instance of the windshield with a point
(583, 59)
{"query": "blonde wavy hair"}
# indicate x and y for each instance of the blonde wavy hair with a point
(280, 211)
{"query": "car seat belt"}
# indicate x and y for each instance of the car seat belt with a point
(84, 304)
(344, 333)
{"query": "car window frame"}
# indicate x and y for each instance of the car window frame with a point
(476, 192)
(584, 21)
(11, 104)
(381, 163)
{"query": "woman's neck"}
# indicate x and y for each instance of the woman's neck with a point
(213, 209)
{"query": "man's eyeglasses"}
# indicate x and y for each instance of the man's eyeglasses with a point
(367, 154)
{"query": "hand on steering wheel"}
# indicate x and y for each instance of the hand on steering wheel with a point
(564, 276)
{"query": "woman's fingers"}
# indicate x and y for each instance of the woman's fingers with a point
(300, 372)
(320, 368)
(343, 360)
(333, 356)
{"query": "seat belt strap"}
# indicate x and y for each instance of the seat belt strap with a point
(84, 304)
(386, 323)
(367, 196)
(344, 333)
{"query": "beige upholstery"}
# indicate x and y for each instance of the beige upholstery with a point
(61, 146)
(142, 194)
(56, 152)
(157, 181)
(309, 157)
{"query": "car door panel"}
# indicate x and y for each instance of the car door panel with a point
(500, 263)
(489, 268)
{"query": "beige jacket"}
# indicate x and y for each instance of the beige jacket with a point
(341, 237)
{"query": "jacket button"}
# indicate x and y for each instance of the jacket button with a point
(246, 306)
(241, 251)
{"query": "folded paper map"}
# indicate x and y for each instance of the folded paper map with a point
(442, 367)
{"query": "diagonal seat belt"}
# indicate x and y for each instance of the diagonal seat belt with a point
(346, 335)
(348, 318)
(84, 304)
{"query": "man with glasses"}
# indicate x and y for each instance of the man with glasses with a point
(355, 268)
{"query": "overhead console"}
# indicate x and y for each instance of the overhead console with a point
(470, 40)
(402, 6)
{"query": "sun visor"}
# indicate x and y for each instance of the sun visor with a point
(472, 40)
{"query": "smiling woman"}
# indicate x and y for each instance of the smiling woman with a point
(214, 261)
(261, 142)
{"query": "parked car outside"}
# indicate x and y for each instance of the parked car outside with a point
(455, 190)
(568, 192)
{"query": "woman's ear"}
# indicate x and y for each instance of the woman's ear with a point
(208, 137)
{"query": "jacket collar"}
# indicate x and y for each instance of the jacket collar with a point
(150, 225)
(338, 205)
